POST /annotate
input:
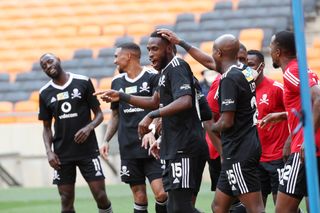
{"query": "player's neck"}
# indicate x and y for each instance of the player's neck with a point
(134, 70)
(61, 79)
(259, 79)
(284, 62)
(227, 64)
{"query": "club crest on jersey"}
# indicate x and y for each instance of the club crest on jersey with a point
(248, 73)
(75, 94)
(62, 96)
(264, 99)
(124, 171)
(162, 81)
(144, 87)
(130, 90)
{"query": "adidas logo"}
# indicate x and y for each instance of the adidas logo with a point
(53, 99)
(176, 181)
(233, 188)
(121, 90)
(98, 173)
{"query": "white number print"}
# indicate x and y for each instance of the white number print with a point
(176, 169)
(253, 103)
(284, 173)
(231, 177)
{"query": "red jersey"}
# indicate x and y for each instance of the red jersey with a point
(214, 106)
(269, 95)
(292, 102)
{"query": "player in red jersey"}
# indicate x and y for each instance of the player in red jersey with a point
(269, 95)
(292, 186)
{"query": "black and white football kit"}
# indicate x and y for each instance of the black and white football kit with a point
(70, 105)
(240, 143)
(136, 164)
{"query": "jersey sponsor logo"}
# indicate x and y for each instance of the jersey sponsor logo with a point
(132, 110)
(185, 87)
(264, 99)
(62, 96)
(162, 81)
(249, 74)
(124, 171)
(53, 99)
(227, 102)
(144, 87)
(75, 94)
(130, 90)
(66, 108)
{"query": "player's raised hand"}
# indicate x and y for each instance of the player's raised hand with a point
(104, 151)
(143, 127)
(169, 35)
(53, 160)
(108, 95)
(82, 135)
(148, 140)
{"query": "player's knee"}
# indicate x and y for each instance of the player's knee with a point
(67, 200)
(161, 196)
(101, 199)
(140, 197)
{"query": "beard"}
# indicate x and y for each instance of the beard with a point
(275, 65)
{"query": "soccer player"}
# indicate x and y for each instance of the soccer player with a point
(181, 127)
(292, 187)
(269, 95)
(136, 164)
(68, 99)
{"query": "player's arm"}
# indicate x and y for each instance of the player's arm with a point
(84, 133)
(47, 138)
(273, 118)
(139, 101)
(202, 57)
(315, 95)
(213, 137)
(225, 122)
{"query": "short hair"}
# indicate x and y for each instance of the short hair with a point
(285, 41)
(256, 53)
(131, 46)
(242, 47)
(155, 34)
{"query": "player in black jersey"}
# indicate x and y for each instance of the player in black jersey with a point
(181, 127)
(136, 164)
(68, 99)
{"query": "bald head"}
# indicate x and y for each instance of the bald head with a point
(228, 45)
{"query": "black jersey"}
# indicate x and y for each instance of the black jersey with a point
(237, 94)
(130, 116)
(182, 132)
(70, 105)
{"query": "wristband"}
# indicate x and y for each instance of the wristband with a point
(154, 114)
(124, 97)
(185, 45)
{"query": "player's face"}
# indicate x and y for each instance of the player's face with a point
(157, 50)
(275, 53)
(242, 56)
(51, 65)
(255, 63)
(121, 59)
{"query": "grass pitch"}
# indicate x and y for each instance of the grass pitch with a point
(46, 200)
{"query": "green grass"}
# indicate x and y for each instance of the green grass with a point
(39, 200)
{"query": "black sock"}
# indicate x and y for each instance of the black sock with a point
(140, 208)
(161, 207)
(69, 211)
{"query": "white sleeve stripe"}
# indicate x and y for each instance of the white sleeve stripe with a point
(277, 84)
(290, 80)
(293, 76)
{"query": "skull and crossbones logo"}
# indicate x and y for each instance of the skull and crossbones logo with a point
(144, 87)
(124, 171)
(75, 93)
(264, 99)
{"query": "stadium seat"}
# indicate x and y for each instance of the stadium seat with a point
(223, 5)
(106, 53)
(313, 53)
(207, 47)
(252, 38)
(139, 29)
(90, 30)
(316, 42)
(27, 111)
(82, 53)
(34, 96)
(105, 83)
(187, 27)
(6, 109)
(185, 17)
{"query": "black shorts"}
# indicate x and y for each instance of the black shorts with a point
(214, 170)
(239, 177)
(181, 173)
(90, 169)
(270, 173)
(135, 171)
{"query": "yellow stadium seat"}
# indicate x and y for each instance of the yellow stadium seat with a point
(252, 44)
(316, 42)
(139, 29)
(105, 83)
(34, 96)
(26, 111)
(6, 109)
(65, 31)
(90, 30)
(313, 53)
(207, 46)
(94, 83)
(314, 64)
(252, 38)
(114, 30)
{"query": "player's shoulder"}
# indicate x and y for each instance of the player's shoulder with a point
(178, 62)
(277, 85)
(43, 88)
(149, 70)
(118, 77)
